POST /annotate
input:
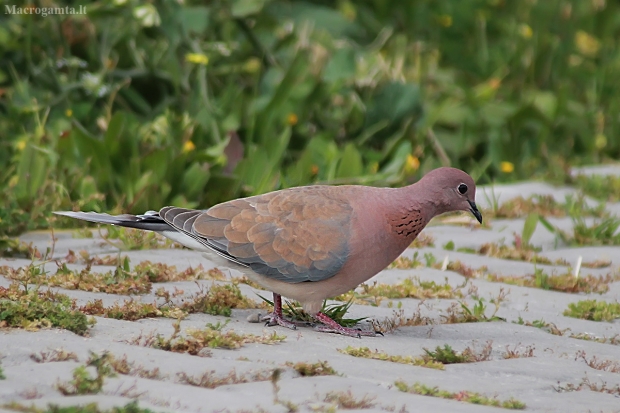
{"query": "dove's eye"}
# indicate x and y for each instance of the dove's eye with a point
(462, 188)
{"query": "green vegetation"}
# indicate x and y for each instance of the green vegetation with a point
(211, 380)
(601, 232)
(347, 401)
(553, 329)
(196, 340)
(447, 355)
(566, 282)
(463, 396)
(604, 188)
(593, 310)
(365, 352)
(87, 408)
(462, 312)
(122, 280)
(34, 309)
(408, 288)
(83, 382)
(295, 312)
(544, 205)
(133, 106)
(320, 368)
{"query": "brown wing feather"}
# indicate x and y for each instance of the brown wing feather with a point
(295, 235)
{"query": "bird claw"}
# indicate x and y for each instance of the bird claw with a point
(330, 326)
(351, 332)
(273, 319)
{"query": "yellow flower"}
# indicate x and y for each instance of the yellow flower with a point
(292, 119)
(68, 113)
(188, 147)
(444, 20)
(507, 167)
(587, 44)
(252, 65)
(20, 145)
(525, 31)
(600, 141)
(197, 58)
(412, 164)
(13, 181)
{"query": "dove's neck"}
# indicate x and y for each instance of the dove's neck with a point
(424, 198)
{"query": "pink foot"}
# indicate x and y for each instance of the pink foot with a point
(330, 326)
(276, 318)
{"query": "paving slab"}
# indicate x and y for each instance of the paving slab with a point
(557, 361)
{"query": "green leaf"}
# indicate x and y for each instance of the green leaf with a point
(195, 18)
(195, 179)
(243, 8)
(350, 164)
(32, 170)
(341, 66)
(529, 227)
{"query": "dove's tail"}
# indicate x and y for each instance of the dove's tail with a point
(149, 221)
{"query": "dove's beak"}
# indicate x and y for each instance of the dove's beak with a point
(474, 211)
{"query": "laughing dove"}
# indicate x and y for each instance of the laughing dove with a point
(313, 242)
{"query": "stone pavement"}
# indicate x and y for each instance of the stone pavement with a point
(532, 380)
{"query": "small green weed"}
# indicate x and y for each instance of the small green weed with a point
(566, 282)
(88, 408)
(320, 368)
(135, 239)
(14, 248)
(294, 311)
(36, 309)
(412, 288)
(123, 366)
(130, 310)
(83, 382)
(399, 319)
(447, 355)
(547, 206)
(600, 232)
(347, 401)
(365, 352)
(210, 337)
(463, 396)
(463, 313)
(218, 300)
(604, 188)
(405, 263)
(593, 310)
(211, 380)
(553, 329)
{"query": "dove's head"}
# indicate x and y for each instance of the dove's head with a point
(452, 190)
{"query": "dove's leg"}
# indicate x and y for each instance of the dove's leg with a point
(276, 318)
(330, 326)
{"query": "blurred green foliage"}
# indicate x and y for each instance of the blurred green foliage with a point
(135, 105)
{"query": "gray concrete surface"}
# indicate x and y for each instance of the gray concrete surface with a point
(532, 380)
